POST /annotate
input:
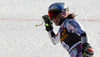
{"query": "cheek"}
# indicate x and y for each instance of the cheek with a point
(58, 20)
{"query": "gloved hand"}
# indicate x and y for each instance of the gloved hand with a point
(87, 50)
(48, 23)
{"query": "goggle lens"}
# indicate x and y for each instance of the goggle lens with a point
(54, 14)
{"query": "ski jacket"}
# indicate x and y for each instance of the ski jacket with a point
(69, 34)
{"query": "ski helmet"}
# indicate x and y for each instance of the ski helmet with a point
(58, 9)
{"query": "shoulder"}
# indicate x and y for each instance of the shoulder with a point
(72, 23)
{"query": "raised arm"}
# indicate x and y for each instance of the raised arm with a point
(49, 28)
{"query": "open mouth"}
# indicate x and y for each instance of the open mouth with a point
(55, 20)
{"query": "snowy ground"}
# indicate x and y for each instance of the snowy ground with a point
(20, 38)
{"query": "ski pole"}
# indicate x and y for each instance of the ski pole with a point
(39, 24)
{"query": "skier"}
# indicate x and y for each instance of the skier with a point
(71, 35)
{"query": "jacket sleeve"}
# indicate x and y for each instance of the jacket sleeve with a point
(75, 27)
(55, 38)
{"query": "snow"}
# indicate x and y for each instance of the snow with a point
(20, 38)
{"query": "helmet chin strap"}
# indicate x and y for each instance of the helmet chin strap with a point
(61, 21)
(62, 17)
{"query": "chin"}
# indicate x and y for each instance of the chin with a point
(57, 25)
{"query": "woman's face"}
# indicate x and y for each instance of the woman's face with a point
(56, 20)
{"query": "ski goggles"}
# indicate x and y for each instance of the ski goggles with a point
(54, 14)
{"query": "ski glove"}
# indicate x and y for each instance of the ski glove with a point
(48, 23)
(87, 50)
